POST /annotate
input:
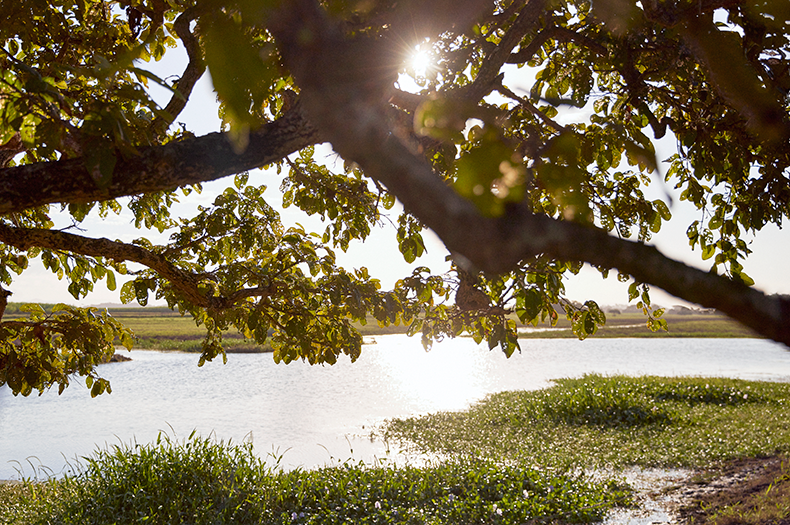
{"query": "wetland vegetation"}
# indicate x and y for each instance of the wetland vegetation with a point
(612, 422)
(199, 481)
(550, 456)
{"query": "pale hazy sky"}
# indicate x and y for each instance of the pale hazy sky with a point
(767, 265)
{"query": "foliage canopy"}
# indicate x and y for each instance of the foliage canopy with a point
(520, 190)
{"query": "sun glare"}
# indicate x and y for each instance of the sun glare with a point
(420, 61)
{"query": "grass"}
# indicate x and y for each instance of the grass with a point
(515, 457)
(159, 328)
(163, 329)
(199, 481)
(611, 422)
(634, 324)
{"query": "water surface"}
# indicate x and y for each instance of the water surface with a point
(312, 415)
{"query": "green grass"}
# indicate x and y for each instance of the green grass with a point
(163, 329)
(633, 324)
(159, 328)
(199, 481)
(512, 458)
(611, 422)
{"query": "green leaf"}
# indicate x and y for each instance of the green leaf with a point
(239, 70)
(707, 251)
(490, 175)
(110, 280)
(127, 292)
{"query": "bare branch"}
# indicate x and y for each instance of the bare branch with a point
(194, 70)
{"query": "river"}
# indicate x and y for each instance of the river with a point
(314, 415)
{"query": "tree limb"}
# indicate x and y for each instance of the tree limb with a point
(157, 168)
(25, 238)
(527, 20)
(556, 33)
(182, 280)
(194, 70)
(358, 129)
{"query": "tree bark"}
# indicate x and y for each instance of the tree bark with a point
(156, 168)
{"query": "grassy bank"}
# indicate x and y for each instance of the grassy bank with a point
(202, 482)
(735, 433)
(610, 422)
(516, 457)
(163, 329)
(633, 324)
(158, 328)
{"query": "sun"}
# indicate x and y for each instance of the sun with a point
(421, 61)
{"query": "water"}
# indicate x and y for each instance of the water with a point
(312, 416)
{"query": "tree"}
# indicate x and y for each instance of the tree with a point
(519, 198)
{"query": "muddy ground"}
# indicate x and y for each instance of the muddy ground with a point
(749, 491)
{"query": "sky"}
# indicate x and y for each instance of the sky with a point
(379, 252)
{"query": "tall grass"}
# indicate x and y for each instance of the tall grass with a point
(200, 481)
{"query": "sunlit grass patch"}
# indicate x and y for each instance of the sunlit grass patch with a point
(201, 481)
(600, 421)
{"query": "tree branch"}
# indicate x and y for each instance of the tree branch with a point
(526, 21)
(194, 70)
(526, 104)
(556, 33)
(358, 129)
(182, 280)
(736, 82)
(25, 238)
(157, 168)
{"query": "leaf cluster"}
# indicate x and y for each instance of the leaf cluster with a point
(44, 350)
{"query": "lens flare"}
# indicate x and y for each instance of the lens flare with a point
(421, 61)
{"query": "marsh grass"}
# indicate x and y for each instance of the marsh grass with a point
(611, 422)
(163, 329)
(515, 457)
(200, 481)
(634, 324)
